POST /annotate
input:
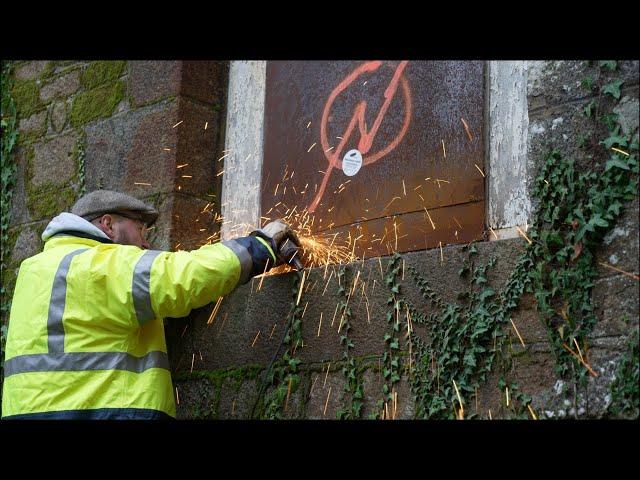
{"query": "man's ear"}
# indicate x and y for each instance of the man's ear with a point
(105, 223)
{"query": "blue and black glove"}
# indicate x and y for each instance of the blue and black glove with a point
(266, 248)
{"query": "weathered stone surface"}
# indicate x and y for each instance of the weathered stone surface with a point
(616, 303)
(556, 82)
(198, 150)
(191, 228)
(197, 399)
(605, 361)
(627, 111)
(19, 212)
(403, 409)
(528, 321)
(619, 248)
(150, 81)
(34, 124)
(130, 148)
(205, 81)
(31, 70)
(506, 150)
(248, 310)
(28, 243)
(53, 161)
(60, 87)
(330, 394)
(152, 155)
(564, 127)
(236, 401)
(58, 116)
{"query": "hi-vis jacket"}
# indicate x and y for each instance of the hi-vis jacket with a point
(86, 337)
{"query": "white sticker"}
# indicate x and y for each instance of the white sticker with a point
(352, 162)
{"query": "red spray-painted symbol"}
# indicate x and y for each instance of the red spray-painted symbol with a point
(366, 137)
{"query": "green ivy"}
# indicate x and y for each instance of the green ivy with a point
(353, 384)
(462, 339)
(391, 364)
(576, 210)
(284, 377)
(8, 167)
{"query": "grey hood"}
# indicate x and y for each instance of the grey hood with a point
(68, 222)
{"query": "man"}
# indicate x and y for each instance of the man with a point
(86, 338)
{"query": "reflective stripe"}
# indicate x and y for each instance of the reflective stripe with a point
(140, 286)
(81, 361)
(246, 262)
(55, 329)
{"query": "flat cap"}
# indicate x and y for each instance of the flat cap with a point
(99, 202)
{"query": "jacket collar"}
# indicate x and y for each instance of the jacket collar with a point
(68, 224)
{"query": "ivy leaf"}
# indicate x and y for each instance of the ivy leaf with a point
(486, 293)
(587, 82)
(598, 221)
(588, 109)
(470, 359)
(609, 64)
(614, 140)
(615, 208)
(616, 162)
(613, 88)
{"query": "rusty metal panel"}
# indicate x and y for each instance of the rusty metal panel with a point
(418, 130)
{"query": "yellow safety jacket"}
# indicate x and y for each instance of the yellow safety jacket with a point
(86, 337)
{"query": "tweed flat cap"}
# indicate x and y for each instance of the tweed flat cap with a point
(100, 202)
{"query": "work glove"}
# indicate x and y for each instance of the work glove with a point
(264, 249)
(283, 242)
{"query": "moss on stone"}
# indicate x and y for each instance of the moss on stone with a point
(7, 247)
(48, 70)
(217, 377)
(8, 279)
(99, 73)
(49, 200)
(26, 96)
(97, 103)
(31, 136)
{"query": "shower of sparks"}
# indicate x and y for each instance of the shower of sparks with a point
(215, 310)
(466, 129)
(432, 224)
(620, 151)
(523, 234)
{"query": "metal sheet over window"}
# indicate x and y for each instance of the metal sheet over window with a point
(387, 152)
